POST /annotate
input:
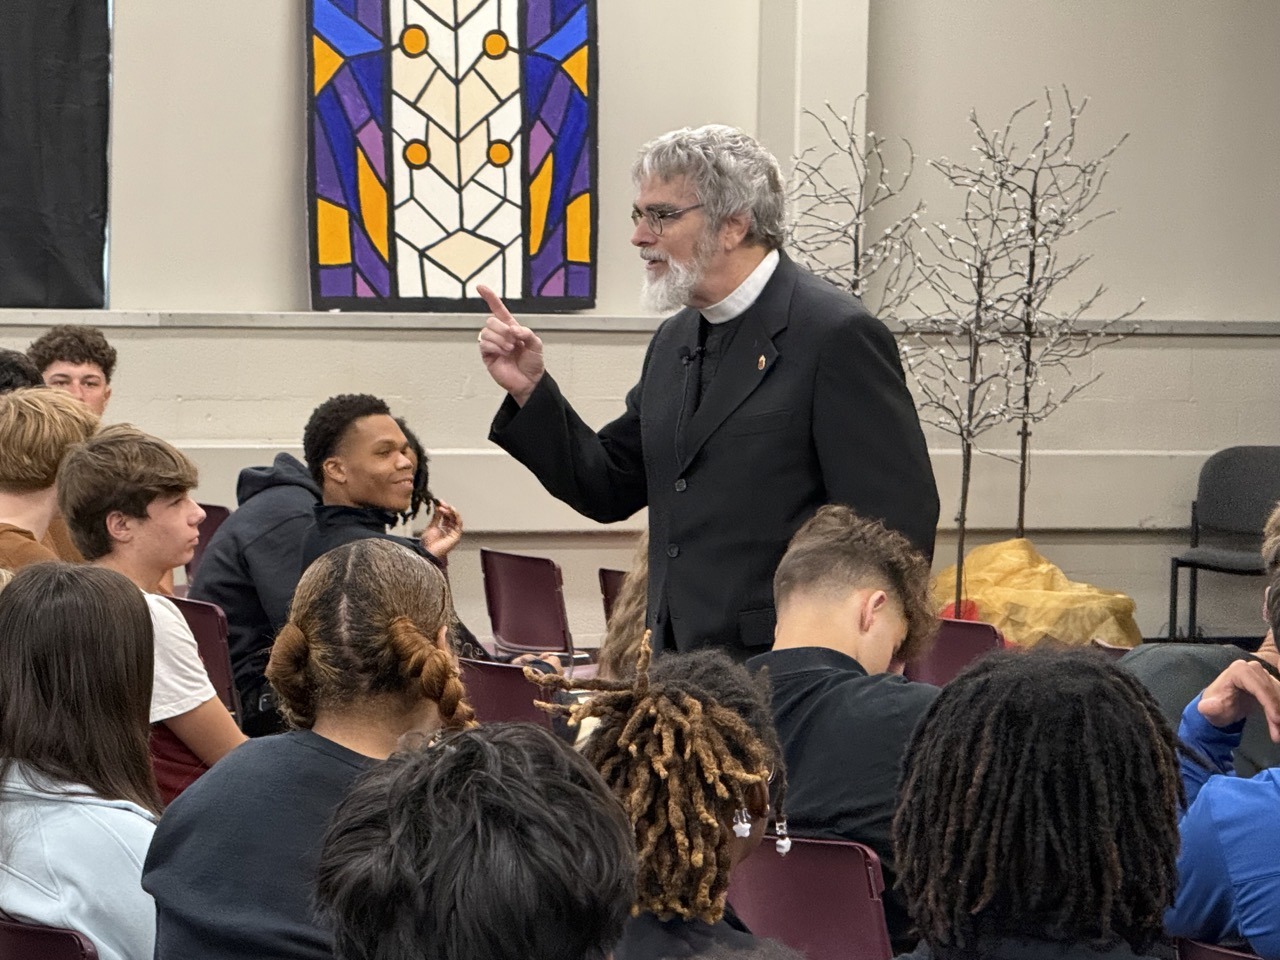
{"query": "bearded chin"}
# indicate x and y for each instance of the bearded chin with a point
(672, 290)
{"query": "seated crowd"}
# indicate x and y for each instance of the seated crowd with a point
(1049, 803)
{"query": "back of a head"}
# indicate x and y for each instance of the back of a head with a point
(706, 723)
(17, 371)
(121, 469)
(1040, 798)
(626, 627)
(76, 655)
(730, 171)
(38, 427)
(498, 843)
(1272, 605)
(363, 623)
(1271, 542)
(837, 551)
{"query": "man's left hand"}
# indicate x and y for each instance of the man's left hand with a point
(1238, 688)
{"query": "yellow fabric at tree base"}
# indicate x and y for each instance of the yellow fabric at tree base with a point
(1029, 599)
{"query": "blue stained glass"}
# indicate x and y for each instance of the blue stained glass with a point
(341, 141)
(564, 9)
(568, 38)
(569, 141)
(538, 74)
(370, 74)
(346, 6)
(344, 35)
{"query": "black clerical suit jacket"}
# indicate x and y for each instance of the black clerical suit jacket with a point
(808, 406)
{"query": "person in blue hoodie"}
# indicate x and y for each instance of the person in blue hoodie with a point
(250, 569)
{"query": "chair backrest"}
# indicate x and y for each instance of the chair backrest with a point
(1195, 950)
(1110, 649)
(958, 644)
(1238, 488)
(500, 691)
(525, 596)
(214, 516)
(610, 587)
(27, 941)
(822, 899)
(209, 624)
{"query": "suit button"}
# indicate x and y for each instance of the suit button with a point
(680, 485)
(673, 551)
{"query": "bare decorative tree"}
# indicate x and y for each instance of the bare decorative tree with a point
(835, 186)
(1041, 197)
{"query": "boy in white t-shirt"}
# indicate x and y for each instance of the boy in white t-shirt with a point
(126, 499)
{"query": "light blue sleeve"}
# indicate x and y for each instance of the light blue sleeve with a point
(1214, 743)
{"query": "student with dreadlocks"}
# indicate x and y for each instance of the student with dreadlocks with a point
(689, 748)
(1038, 816)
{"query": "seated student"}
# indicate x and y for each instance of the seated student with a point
(1038, 818)
(505, 813)
(77, 359)
(77, 797)
(37, 428)
(1175, 673)
(852, 598)
(250, 569)
(17, 371)
(363, 660)
(126, 498)
(689, 748)
(1229, 882)
(625, 630)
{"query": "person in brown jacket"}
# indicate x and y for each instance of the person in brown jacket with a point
(37, 428)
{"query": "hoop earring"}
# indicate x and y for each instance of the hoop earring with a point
(783, 846)
(742, 824)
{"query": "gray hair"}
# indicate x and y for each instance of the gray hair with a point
(731, 173)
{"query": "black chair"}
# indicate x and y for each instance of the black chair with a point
(1238, 488)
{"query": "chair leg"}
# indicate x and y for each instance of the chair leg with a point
(1192, 583)
(1173, 599)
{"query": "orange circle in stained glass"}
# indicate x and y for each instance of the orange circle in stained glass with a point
(416, 154)
(414, 41)
(500, 153)
(496, 44)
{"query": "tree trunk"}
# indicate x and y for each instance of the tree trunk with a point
(966, 459)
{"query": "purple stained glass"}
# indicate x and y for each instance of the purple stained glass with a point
(351, 97)
(579, 280)
(557, 99)
(539, 145)
(554, 287)
(546, 260)
(537, 21)
(362, 288)
(370, 138)
(327, 183)
(581, 182)
(335, 281)
(369, 13)
(369, 261)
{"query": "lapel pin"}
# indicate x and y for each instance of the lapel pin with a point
(760, 362)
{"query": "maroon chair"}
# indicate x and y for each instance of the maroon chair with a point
(500, 691)
(209, 624)
(1110, 649)
(610, 587)
(822, 899)
(214, 515)
(958, 644)
(525, 596)
(27, 941)
(1195, 950)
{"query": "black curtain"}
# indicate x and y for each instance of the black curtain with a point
(54, 64)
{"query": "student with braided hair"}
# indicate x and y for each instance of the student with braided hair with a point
(1039, 813)
(688, 747)
(363, 660)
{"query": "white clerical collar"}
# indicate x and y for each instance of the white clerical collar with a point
(749, 290)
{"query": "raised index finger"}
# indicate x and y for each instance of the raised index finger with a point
(496, 306)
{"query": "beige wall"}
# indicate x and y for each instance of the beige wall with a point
(1114, 472)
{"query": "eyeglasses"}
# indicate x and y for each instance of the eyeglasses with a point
(655, 219)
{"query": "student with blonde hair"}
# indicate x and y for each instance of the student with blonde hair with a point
(37, 428)
(363, 660)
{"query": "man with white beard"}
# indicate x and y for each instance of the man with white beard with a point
(769, 394)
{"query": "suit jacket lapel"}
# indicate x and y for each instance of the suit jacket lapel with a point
(740, 370)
